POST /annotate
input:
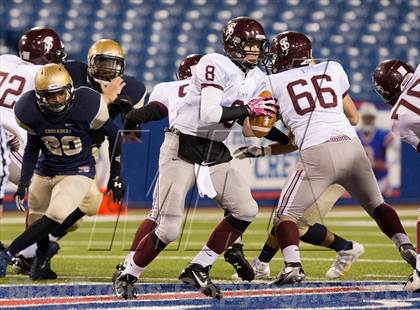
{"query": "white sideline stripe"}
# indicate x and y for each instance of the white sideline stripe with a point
(315, 259)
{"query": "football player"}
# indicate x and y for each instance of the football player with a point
(399, 85)
(193, 150)
(376, 142)
(319, 111)
(162, 103)
(36, 47)
(58, 120)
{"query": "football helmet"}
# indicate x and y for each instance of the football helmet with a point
(41, 46)
(105, 61)
(240, 33)
(389, 79)
(53, 89)
(290, 49)
(186, 66)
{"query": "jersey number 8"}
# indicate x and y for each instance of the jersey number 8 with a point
(69, 145)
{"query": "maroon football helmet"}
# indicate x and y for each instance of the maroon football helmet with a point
(289, 50)
(242, 31)
(184, 68)
(41, 46)
(389, 78)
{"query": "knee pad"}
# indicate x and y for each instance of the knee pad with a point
(315, 234)
(168, 229)
(246, 211)
(32, 217)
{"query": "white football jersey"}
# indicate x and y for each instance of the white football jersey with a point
(16, 78)
(311, 102)
(219, 71)
(405, 114)
(170, 94)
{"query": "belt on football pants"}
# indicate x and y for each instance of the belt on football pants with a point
(173, 130)
(339, 138)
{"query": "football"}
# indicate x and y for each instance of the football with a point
(261, 125)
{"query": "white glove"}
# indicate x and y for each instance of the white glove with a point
(251, 151)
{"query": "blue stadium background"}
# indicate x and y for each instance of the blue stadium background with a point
(156, 34)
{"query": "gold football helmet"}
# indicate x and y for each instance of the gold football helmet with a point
(53, 89)
(105, 61)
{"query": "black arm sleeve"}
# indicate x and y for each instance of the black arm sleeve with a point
(153, 111)
(111, 131)
(233, 113)
(277, 136)
(30, 158)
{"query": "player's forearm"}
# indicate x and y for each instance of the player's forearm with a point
(111, 131)
(277, 136)
(153, 111)
(30, 158)
(278, 149)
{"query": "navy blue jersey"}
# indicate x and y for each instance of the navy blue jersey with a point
(65, 142)
(134, 90)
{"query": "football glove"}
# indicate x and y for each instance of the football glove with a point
(261, 106)
(116, 185)
(250, 152)
(19, 196)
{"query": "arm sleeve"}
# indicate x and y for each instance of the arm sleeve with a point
(276, 135)
(30, 158)
(153, 111)
(111, 131)
(211, 79)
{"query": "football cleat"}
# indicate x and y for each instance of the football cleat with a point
(198, 276)
(413, 283)
(408, 253)
(124, 286)
(41, 269)
(2, 246)
(344, 260)
(292, 273)
(235, 257)
(22, 265)
(5, 259)
(261, 269)
(118, 271)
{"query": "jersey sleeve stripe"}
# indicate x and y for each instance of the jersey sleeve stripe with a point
(204, 85)
(346, 93)
(24, 126)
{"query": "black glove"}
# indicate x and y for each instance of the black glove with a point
(116, 184)
(19, 196)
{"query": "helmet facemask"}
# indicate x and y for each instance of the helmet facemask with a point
(55, 101)
(104, 68)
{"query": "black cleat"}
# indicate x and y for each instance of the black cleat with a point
(124, 286)
(235, 257)
(5, 259)
(408, 253)
(22, 265)
(198, 276)
(2, 247)
(292, 273)
(118, 270)
(41, 269)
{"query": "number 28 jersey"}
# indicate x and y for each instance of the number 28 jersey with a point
(311, 102)
(65, 142)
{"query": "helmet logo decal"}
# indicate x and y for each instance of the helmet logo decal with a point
(284, 45)
(230, 28)
(48, 44)
(402, 71)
